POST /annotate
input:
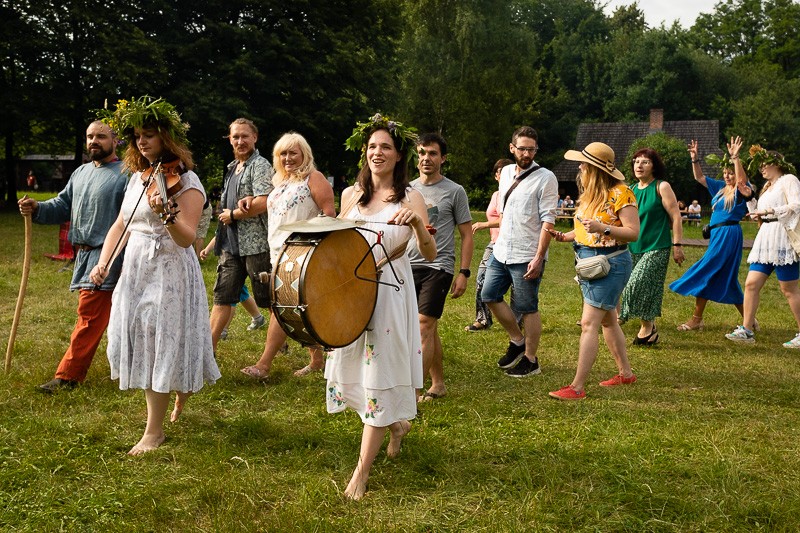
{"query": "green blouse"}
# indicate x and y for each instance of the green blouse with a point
(654, 222)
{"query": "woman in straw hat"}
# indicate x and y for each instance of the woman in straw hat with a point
(606, 220)
(715, 276)
(658, 213)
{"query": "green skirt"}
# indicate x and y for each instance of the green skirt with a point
(644, 293)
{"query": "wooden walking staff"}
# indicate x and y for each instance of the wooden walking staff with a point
(23, 286)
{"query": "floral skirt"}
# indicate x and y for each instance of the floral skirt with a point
(644, 293)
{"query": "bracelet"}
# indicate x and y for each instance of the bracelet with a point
(695, 161)
(677, 244)
(734, 157)
(232, 217)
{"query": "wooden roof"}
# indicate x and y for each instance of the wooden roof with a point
(620, 135)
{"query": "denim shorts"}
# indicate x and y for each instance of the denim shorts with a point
(604, 293)
(789, 272)
(500, 276)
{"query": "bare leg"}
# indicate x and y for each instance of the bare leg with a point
(503, 313)
(371, 440)
(180, 403)
(533, 331)
(153, 437)
(587, 352)
(791, 291)
(397, 431)
(432, 353)
(230, 318)
(752, 294)
(275, 339)
(251, 307)
(220, 316)
(697, 314)
(615, 340)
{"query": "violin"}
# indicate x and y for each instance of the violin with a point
(165, 180)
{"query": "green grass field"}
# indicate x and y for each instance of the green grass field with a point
(706, 440)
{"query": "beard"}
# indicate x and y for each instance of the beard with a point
(98, 154)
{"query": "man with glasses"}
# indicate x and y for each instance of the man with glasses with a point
(527, 204)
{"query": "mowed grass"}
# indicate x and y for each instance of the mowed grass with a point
(706, 440)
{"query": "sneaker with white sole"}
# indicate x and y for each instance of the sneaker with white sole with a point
(794, 343)
(524, 368)
(513, 354)
(741, 334)
(257, 323)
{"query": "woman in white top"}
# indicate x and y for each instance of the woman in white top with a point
(778, 209)
(301, 192)
(159, 338)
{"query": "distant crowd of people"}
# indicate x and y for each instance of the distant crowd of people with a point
(139, 225)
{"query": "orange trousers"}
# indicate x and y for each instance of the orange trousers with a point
(94, 310)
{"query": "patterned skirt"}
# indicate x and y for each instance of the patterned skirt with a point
(644, 293)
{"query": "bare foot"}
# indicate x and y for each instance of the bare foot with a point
(356, 488)
(180, 403)
(397, 431)
(148, 443)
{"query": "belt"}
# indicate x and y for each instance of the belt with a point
(768, 220)
(602, 249)
(84, 247)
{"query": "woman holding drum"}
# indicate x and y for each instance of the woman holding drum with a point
(378, 374)
(301, 192)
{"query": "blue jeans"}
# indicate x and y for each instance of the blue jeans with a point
(500, 276)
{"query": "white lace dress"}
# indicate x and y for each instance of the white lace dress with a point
(288, 202)
(158, 335)
(771, 245)
(379, 373)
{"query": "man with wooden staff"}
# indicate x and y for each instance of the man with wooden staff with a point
(90, 202)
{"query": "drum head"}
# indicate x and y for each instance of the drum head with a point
(339, 304)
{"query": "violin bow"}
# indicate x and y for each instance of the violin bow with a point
(23, 287)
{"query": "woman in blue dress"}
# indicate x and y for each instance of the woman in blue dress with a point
(715, 276)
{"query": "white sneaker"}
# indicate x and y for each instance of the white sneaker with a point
(257, 323)
(794, 343)
(742, 334)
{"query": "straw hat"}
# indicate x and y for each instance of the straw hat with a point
(599, 155)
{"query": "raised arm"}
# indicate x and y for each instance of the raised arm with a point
(741, 176)
(699, 177)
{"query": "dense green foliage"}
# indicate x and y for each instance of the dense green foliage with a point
(472, 70)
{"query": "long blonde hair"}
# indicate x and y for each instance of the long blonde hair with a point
(287, 141)
(728, 192)
(593, 185)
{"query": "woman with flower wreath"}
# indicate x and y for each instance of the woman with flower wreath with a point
(158, 336)
(377, 375)
(606, 220)
(778, 212)
(715, 276)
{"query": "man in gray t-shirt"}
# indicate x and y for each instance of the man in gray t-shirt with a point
(448, 209)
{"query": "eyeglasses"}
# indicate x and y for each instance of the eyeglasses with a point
(525, 149)
(642, 162)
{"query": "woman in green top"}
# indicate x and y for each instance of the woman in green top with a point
(658, 212)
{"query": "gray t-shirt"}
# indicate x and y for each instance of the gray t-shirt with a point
(447, 208)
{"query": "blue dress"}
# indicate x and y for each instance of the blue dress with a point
(715, 276)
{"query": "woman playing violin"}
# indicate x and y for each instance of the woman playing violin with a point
(158, 336)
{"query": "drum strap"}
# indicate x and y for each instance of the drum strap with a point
(397, 253)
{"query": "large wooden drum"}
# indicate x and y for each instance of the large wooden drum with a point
(317, 295)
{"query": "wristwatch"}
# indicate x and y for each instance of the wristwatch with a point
(466, 272)
(607, 231)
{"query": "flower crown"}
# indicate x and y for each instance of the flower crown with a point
(760, 156)
(406, 136)
(720, 162)
(145, 112)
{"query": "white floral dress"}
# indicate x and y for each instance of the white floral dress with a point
(288, 202)
(378, 374)
(158, 335)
